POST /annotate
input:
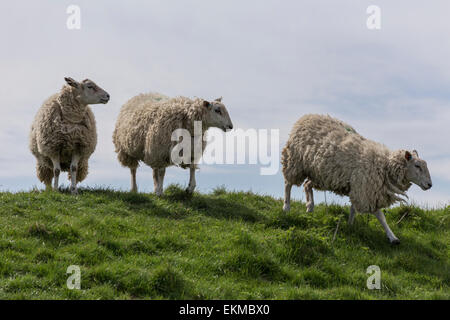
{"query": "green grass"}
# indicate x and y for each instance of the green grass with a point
(223, 245)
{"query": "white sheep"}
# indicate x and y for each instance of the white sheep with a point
(63, 134)
(144, 130)
(332, 156)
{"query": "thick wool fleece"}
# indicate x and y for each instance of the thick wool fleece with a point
(145, 125)
(336, 158)
(61, 128)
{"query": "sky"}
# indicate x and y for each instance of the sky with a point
(271, 61)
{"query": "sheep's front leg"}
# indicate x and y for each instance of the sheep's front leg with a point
(287, 196)
(309, 196)
(155, 181)
(73, 173)
(161, 173)
(192, 183)
(56, 172)
(351, 217)
(133, 180)
(392, 238)
(158, 180)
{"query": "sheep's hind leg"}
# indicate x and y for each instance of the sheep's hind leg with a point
(287, 196)
(44, 174)
(309, 196)
(158, 180)
(192, 182)
(161, 173)
(351, 217)
(134, 187)
(392, 238)
(56, 172)
(73, 173)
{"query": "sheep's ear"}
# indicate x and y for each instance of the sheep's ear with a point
(415, 154)
(72, 82)
(219, 99)
(408, 155)
(206, 104)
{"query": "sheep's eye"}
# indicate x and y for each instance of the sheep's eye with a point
(218, 111)
(418, 167)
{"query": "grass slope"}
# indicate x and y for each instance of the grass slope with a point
(224, 245)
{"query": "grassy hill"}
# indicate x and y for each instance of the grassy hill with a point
(223, 245)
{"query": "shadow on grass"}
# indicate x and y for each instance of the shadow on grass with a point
(183, 204)
(136, 202)
(212, 206)
(57, 235)
(413, 254)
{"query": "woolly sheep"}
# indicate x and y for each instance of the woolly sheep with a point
(144, 129)
(332, 156)
(63, 134)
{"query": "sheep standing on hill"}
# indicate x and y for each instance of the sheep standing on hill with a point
(63, 134)
(144, 129)
(334, 157)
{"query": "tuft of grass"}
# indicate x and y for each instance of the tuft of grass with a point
(248, 264)
(170, 284)
(221, 245)
(304, 248)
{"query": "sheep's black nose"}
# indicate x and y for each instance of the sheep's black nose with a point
(430, 185)
(230, 126)
(107, 95)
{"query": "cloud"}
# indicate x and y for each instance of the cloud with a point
(272, 62)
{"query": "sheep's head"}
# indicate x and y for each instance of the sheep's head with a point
(217, 115)
(417, 170)
(88, 92)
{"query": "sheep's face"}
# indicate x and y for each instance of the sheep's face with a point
(417, 170)
(88, 92)
(217, 115)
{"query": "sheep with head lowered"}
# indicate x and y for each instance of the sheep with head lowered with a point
(63, 134)
(331, 156)
(145, 126)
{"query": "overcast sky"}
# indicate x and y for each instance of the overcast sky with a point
(272, 61)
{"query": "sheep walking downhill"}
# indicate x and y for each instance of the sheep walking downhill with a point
(330, 155)
(145, 126)
(63, 135)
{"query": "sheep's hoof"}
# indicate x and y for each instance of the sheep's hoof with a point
(286, 208)
(74, 192)
(395, 242)
(310, 208)
(190, 190)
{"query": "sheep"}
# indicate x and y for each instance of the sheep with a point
(332, 156)
(143, 132)
(63, 134)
